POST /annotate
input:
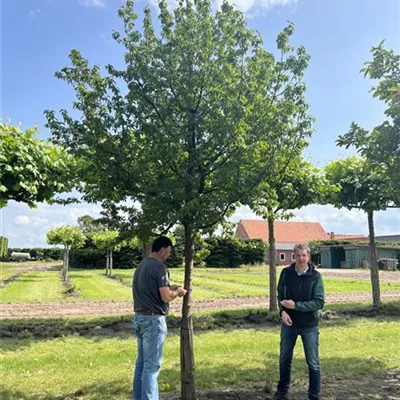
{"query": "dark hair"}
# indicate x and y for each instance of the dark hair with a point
(160, 242)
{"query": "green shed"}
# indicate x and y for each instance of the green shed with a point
(352, 256)
(332, 256)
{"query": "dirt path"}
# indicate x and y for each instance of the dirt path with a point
(74, 308)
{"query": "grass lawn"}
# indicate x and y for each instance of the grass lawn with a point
(208, 284)
(101, 367)
(343, 285)
(93, 285)
(8, 269)
(25, 264)
(34, 286)
(45, 286)
(228, 282)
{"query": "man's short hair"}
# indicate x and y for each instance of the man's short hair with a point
(161, 242)
(302, 246)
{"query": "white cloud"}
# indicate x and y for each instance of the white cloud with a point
(93, 3)
(243, 5)
(34, 13)
(22, 220)
(26, 227)
(339, 220)
(244, 213)
(277, 3)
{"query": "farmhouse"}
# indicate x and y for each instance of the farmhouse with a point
(287, 234)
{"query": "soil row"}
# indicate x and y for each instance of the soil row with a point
(76, 308)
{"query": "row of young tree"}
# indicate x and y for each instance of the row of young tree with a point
(201, 119)
(85, 245)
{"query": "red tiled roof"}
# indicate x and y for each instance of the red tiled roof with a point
(285, 231)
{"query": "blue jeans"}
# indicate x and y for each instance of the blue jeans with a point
(151, 331)
(309, 337)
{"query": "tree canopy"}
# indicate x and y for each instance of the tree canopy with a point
(187, 128)
(365, 186)
(381, 144)
(31, 170)
(296, 183)
(362, 185)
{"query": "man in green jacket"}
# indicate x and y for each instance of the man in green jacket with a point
(300, 296)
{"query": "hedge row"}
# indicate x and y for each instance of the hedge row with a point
(232, 252)
(93, 258)
(222, 253)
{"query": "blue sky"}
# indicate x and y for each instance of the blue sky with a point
(37, 36)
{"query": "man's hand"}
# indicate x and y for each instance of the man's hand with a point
(286, 318)
(290, 304)
(174, 287)
(181, 291)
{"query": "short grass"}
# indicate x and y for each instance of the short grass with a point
(8, 269)
(25, 264)
(46, 286)
(34, 286)
(344, 285)
(207, 284)
(94, 285)
(101, 368)
(228, 282)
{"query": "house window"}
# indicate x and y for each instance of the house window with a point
(293, 257)
(282, 256)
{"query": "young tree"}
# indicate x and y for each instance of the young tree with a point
(381, 145)
(296, 183)
(365, 186)
(203, 110)
(108, 241)
(70, 237)
(31, 170)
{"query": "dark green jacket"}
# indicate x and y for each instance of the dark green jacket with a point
(307, 291)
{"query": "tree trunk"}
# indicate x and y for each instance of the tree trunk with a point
(146, 250)
(111, 261)
(272, 267)
(373, 262)
(64, 267)
(106, 262)
(65, 264)
(188, 389)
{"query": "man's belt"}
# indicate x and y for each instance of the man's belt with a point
(147, 312)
